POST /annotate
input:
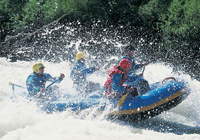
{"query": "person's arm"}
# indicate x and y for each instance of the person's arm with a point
(51, 79)
(116, 80)
(89, 70)
(80, 69)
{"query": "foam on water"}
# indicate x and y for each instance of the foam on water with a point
(25, 121)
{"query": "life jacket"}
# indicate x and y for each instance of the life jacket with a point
(112, 72)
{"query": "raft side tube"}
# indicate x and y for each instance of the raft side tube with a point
(153, 98)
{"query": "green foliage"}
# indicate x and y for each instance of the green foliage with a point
(152, 11)
(38, 12)
(115, 11)
(71, 5)
(41, 12)
(181, 23)
(17, 14)
(9, 9)
(97, 9)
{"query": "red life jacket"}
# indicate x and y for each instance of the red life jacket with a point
(112, 72)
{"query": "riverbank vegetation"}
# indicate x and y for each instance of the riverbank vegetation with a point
(171, 25)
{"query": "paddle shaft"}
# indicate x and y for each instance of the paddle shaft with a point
(52, 83)
(13, 85)
(139, 77)
(10, 83)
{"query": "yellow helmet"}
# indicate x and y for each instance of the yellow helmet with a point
(37, 66)
(80, 55)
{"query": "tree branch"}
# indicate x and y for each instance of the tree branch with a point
(31, 34)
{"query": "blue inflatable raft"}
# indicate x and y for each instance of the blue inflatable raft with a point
(162, 97)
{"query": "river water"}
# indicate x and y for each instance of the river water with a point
(23, 120)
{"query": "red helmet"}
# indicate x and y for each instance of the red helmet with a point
(125, 64)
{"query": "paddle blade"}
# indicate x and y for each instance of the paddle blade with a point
(121, 101)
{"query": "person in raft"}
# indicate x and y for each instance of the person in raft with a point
(79, 74)
(118, 75)
(128, 53)
(36, 83)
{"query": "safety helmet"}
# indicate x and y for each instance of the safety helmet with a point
(125, 64)
(37, 67)
(80, 55)
(129, 47)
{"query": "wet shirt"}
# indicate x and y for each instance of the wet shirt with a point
(79, 72)
(35, 82)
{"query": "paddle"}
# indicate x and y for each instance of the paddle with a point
(52, 83)
(13, 85)
(121, 101)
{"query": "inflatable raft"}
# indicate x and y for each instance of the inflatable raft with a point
(162, 97)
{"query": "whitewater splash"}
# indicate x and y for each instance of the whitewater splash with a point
(24, 120)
